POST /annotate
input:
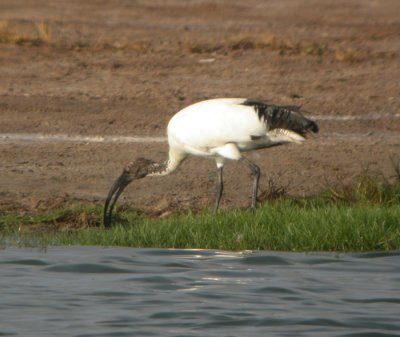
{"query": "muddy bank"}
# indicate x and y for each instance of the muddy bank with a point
(122, 69)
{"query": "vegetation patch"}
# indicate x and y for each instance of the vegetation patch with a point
(40, 35)
(362, 217)
(272, 42)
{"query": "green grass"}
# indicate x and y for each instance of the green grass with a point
(364, 216)
(289, 225)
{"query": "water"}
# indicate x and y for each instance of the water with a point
(92, 291)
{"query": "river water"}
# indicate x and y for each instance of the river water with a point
(95, 291)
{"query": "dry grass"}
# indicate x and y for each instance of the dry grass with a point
(6, 34)
(194, 47)
(68, 219)
(369, 187)
(273, 191)
(350, 55)
(141, 47)
(43, 32)
(234, 43)
(40, 35)
(269, 41)
(364, 188)
(396, 167)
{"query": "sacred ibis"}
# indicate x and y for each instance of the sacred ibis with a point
(220, 129)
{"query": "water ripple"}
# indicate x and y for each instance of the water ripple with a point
(86, 268)
(92, 291)
(265, 260)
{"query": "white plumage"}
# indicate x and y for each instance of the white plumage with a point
(221, 129)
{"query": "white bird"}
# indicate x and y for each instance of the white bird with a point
(220, 129)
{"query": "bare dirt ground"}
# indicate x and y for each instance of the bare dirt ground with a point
(123, 68)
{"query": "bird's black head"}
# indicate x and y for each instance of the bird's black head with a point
(310, 125)
(295, 121)
(137, 169)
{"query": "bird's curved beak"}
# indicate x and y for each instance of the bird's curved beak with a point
(116, 189)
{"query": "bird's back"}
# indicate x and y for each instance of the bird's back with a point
(203, 127)
(214, 123)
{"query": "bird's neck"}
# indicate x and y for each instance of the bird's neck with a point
(163, 168)
(175, 158)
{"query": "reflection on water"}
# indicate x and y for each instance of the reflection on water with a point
(92, 291)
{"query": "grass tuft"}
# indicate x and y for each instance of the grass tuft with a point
(367, 189)
(43, 32)
(396, 168)
(350, 55)
(40, 36)
(272, 192)
(284, 46)
(7, 35)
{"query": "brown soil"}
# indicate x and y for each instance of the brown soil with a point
(124, 68)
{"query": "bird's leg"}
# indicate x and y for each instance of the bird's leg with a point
(255, 171)
(220, 189)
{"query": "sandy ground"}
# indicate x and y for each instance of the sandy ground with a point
(123, 68)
